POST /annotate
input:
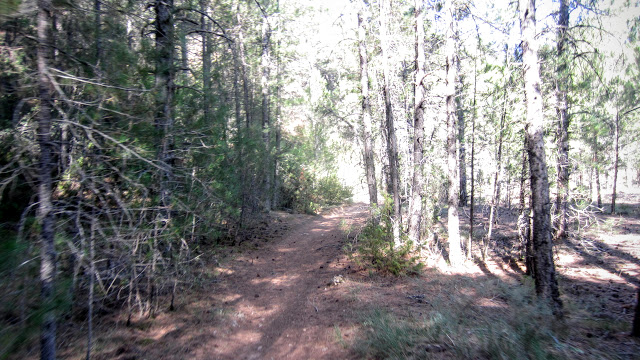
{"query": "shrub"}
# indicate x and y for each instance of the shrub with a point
(375, 247)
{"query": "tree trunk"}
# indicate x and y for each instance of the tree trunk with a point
(461, 141)
(392, 145)
(496, 177)
(98, 22)
(616, 161)
(265, 62)
(415, 207)
(45, 205)
(473, 153)
(563, 122)
(636, 318)
(597, 172)
(524, 218)
(369, 162)
(164, 88)
(243, 67)
(278, 132)
(92, 277)
(545, 275)
(455, 251)
(206, 61)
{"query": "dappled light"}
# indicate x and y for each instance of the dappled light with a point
(303, 179)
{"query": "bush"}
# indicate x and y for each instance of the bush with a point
(375, 246)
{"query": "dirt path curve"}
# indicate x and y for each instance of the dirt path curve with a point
(277, 302)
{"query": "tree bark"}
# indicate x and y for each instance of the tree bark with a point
(243, 67)
(164, 88)
(473, 153)
(562, 106)
(597, 171)
(369, 162)
(636, 318)
(278, 132)
(392, 144)
(206, 61)
(265, 62)
(496, 177)
(524, 218)
(616, 161)
(455, 250)
(98, 22)
(545, 275)
(45, 185)
(461, 141)
(415, 206)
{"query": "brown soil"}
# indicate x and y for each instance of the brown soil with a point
(276, 300)
(293, 294)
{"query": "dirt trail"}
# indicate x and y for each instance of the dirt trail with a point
(273, 302)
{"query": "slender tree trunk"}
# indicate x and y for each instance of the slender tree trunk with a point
(98, 22)
(562, 112)
(92, 276)
(473, 153)
(243, 131)
(597, 172)
(392, 144)
(545, 274)
(164, 91)
(265, 61)
(45, 205)
(524, 218)
(164, 88)
(455, 250)
(616, 161)
(496, 177)
(369, 162)
(243, 67)
(635, 332)
(278, 131)
(461, 141)
(206, 61)
(415, 207)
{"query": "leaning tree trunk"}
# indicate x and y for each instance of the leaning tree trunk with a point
(545, 274)
(455, 250)
(415, 206)
(392, 144)
(369, 162)
(45, 205)
(563, 122)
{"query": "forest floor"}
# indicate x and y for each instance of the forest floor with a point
(290, 292)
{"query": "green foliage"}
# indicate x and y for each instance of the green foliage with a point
(375, 246)
(303, 189)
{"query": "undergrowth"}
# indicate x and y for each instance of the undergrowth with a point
(374, 246)
(509, 324)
